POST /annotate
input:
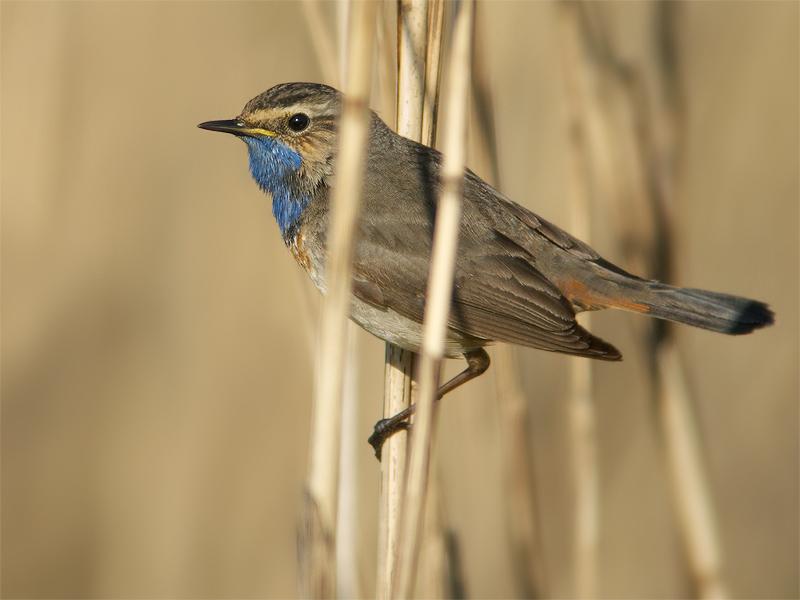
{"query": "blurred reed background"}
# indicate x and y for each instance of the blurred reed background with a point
(157, 349)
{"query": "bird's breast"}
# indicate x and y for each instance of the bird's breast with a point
(308, 254)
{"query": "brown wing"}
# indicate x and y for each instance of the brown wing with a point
(497, 296)
(509, 301)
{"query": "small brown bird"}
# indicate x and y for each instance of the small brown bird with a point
(518, 278)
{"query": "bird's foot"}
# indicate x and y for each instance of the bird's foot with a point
(384, 429)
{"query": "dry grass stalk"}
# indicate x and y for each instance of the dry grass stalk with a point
(343, 31)
(634, 172)
(331, 59)
(438, 573)
(582, 414)
(322, 41)
(347, 521)
(430, 110)
(695, 511)
(397, 395)
(387, 64)
(520, 486)
(586, 479)
(322, 492)
(436, 568)
(679, 427)
(412, 24)
(440, 286)
(521, 512)
(412, 19)
(347, 518)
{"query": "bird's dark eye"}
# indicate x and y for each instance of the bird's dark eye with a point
(298, 122)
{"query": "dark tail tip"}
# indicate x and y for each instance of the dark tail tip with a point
(753, 315)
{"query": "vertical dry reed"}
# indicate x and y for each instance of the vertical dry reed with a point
(636, 179)
(679, 426)
(347, 520)
(521, 505)
(386, 62)
(412, 20)
(582, 414)
(322, 40)
(585, 476)
(430, 107)
(438, 575)
(693, 498)
(322, 485)
(440, 285)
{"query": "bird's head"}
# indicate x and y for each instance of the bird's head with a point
(290, 132)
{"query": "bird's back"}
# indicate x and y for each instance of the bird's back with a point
(501, 290)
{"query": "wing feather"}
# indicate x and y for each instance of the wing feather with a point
(499, 294)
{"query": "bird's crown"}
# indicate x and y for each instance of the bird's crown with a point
(315, 96)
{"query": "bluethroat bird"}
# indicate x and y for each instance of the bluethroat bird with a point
(518, 278)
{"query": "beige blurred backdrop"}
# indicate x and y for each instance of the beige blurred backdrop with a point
(156, 340)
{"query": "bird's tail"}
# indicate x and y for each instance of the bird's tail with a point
(723, 313)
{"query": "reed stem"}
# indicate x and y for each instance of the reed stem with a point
(582, 414)
(412, 20)
(521, 504)
(319, 561)
(636, 179)
(439, 291)
(322, 42)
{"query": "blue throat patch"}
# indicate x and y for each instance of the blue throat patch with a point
(273, 166)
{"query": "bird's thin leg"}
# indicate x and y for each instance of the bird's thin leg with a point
(477, 363)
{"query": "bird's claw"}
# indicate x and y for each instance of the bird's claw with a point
(383, 430)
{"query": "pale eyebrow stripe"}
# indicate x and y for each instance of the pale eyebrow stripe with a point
(265, 114)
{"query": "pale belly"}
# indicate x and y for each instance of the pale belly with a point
(385, 324)
(400, 331)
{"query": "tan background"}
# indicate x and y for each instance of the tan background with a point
(156, 366)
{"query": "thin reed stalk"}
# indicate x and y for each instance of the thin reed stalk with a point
(582, 415)
(322, 41)
(318, 548)
(347, 521)
(430, 107)
(691, 488)
(439, 291)
(343, 31)
(585, 477)
(386, 64)
(695, 510)
(397, 396)
(347, 518)
(632, 154)
(521, 505)
(412, 20)
(439, 573)
(412, 43)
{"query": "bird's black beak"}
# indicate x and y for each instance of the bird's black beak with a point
(234, 126)
(237, 127)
